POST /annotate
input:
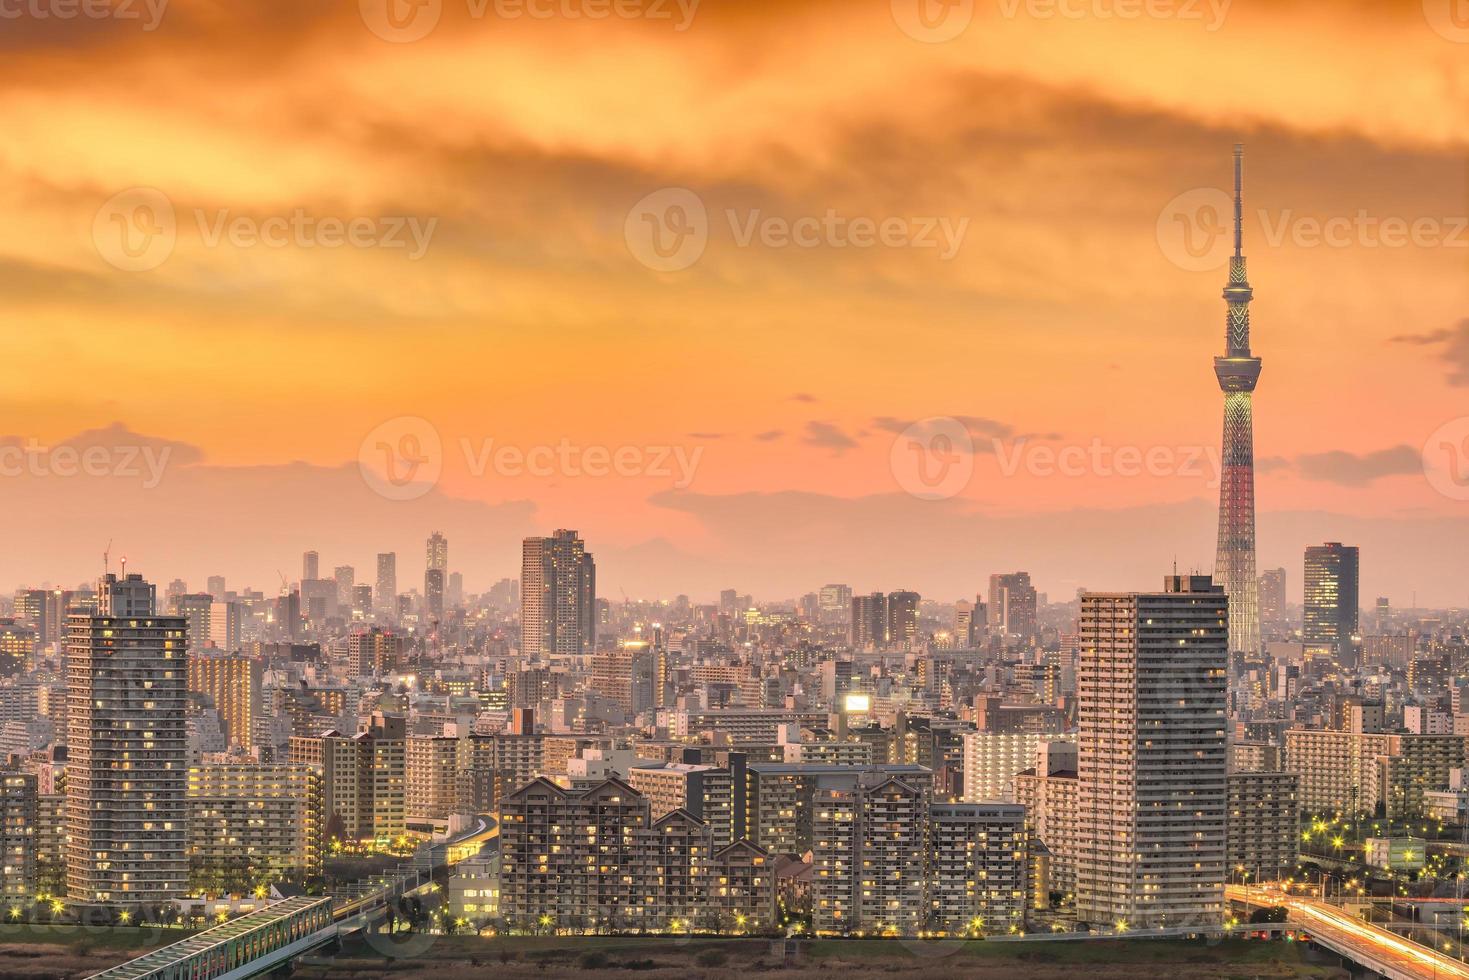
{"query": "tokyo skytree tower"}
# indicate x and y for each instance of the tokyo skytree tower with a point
(1238, 373)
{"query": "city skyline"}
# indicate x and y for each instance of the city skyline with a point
(820, 371)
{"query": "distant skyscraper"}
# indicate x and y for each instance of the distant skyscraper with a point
(197, 610)
(437, 556)
(310, 566)
(225, 623)
(436, 574)
(902, 624)
(835, 602)
(232, 685)
(346, 577)
(215, 586)
(387, 580)
(1151, 687)
(433, 592)
(1272, 595)
(1332, 600)
(869, 620)
(127, 774)
(1012, 605)
(558, 596)
(1238, 372)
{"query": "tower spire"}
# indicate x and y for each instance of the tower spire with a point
(1238, 372)
(1239, 200)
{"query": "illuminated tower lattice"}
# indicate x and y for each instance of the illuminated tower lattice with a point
(1238, 374)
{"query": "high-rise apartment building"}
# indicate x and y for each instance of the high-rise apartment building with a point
(310, 566)
(992, 760)
(597, 858)
(387, 580)
(1272, 596)
(19, 820)
(433, 593)
(1012, 605)
(625, 675)
(363, 781)
(1264, 824)
(1332, 605)
(558, 597)
(232, 684)
(127, 770)
(834, 603)
(259, 819)
(432, 764)
(197, 609)
(869, 624)
(1151, 685)
(436, 553)
(902, 625)
(226, 623)
(346, 577)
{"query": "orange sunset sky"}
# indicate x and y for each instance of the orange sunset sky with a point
(1078, 144)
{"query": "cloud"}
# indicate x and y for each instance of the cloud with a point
(706, 435)
(1350, 470)
(978, 427)
(1272, 464)
(828, 436)
(769, 435)
(802, 396)
(1455, 353)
